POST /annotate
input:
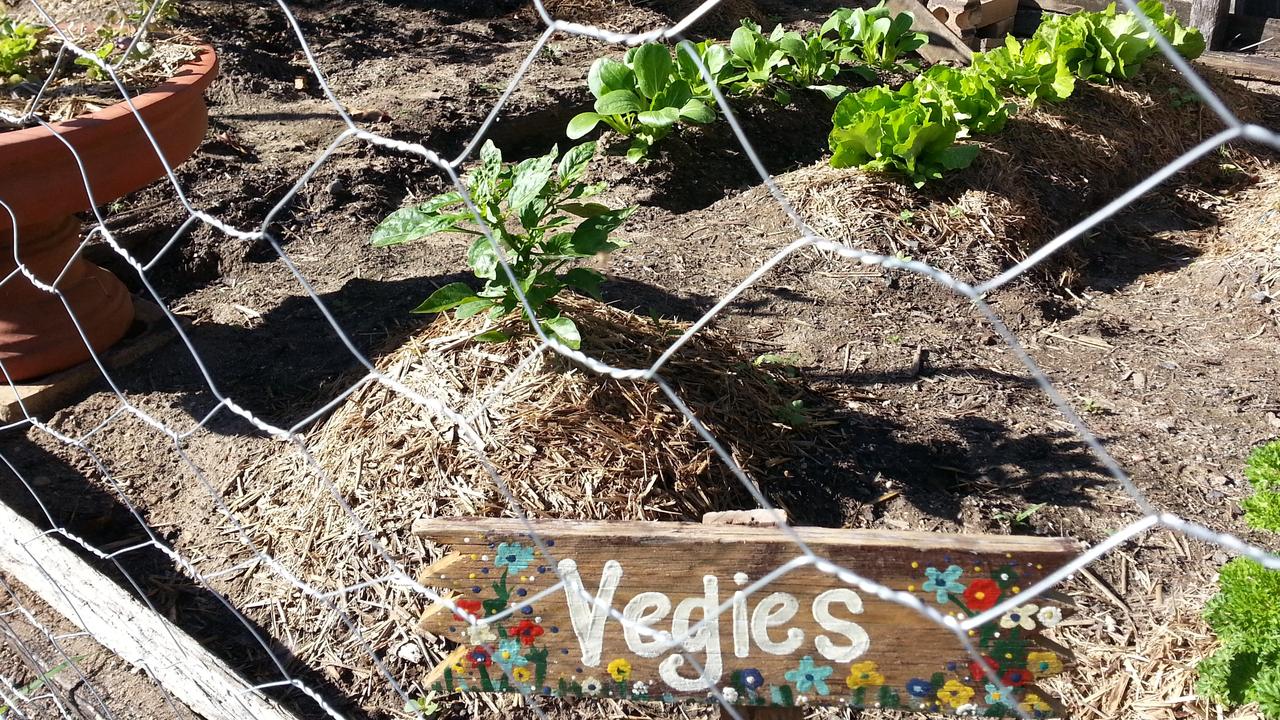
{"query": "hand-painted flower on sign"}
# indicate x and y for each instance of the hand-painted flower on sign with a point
(863, 674)
(918, 688)
(752, 679)
(1043, 664)
(481, 634)
(1049, 616)
(955, 693)
(809, 677)
(994, 694)
(528, 632)
(474, 608)
(976, 671)
(981, 595)
(1023, 617)
(620, 669)
(513, 556)
(1016, 677)
(944, 583)
(1035, 706)
(479, 657)
(521, 674)
(509, 654)
(591, 686)
(729, 695)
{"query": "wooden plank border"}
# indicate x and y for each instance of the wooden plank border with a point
(98, 606)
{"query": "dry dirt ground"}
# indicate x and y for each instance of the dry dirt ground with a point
(1162, 327)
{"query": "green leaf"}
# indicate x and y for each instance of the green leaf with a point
(472, 306)
(412, 223)
(586, 280)
(447, 297)
(581, 124)
(637, 151)
(574, 163)
(666, 117)
(833, 92)
(697, 111)
(585, 210)
(618, 102)
(492, 336)
(482, 259)
(607, 75)
(528, 180)
(652, 65)
(564, 330)
(592, 235)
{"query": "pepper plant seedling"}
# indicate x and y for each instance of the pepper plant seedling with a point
(529, 208)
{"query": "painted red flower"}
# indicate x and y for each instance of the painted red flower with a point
(975, 670)
(473, 607)
(981, 595)
(528, 632)
(1016, 677)
(479, 656)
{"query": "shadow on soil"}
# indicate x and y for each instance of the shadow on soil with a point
(83, 510)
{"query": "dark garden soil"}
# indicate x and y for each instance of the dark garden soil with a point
(1162, 328)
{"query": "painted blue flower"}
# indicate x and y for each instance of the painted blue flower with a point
(994, 695)
(513, 556)
(943, 582)
(809, 677)
(752, 679)
(918, 688)
(509, 654)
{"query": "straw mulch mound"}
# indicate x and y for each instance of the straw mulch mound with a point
(567, 442)
(1049, 168)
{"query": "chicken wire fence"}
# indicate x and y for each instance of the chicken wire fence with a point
(48, 649)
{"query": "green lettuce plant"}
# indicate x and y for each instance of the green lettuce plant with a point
(18, 44)
(538, 211)
(878, 129)
(642, 97)
(873, 36)
(966, 97)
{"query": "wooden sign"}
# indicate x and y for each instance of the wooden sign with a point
(805, 638)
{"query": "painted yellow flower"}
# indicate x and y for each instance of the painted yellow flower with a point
(460, 667)
(863, 674)
(1034, 705)
(1043, 664)
(955, 693)
(521, 674)
(620, 669)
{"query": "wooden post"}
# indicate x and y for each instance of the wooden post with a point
(1210, 17)
(95, 604)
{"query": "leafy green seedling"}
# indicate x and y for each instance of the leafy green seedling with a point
(423, 705)
(812, 61)
(873, 36)
(529, 208)
(757, 58)
(642, 97)
(19, 42)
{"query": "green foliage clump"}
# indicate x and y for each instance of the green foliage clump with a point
(529, 208)
(19, 42)
(1246, 617)
(873, 36)
(648, 94)
(641, 97)
(1262, 470)
(1093, 46)
(913, 130)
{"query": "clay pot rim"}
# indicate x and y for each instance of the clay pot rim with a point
(193, 77)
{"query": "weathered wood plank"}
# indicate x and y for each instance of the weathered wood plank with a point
(757, 646)
(125, 626)
(944, 45)
(1210, 17)
(1240, 65)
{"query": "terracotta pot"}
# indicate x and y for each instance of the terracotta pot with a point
(43, 186)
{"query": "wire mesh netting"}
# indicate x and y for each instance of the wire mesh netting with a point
(54, 653)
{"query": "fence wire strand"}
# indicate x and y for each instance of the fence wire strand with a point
(394, 573)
